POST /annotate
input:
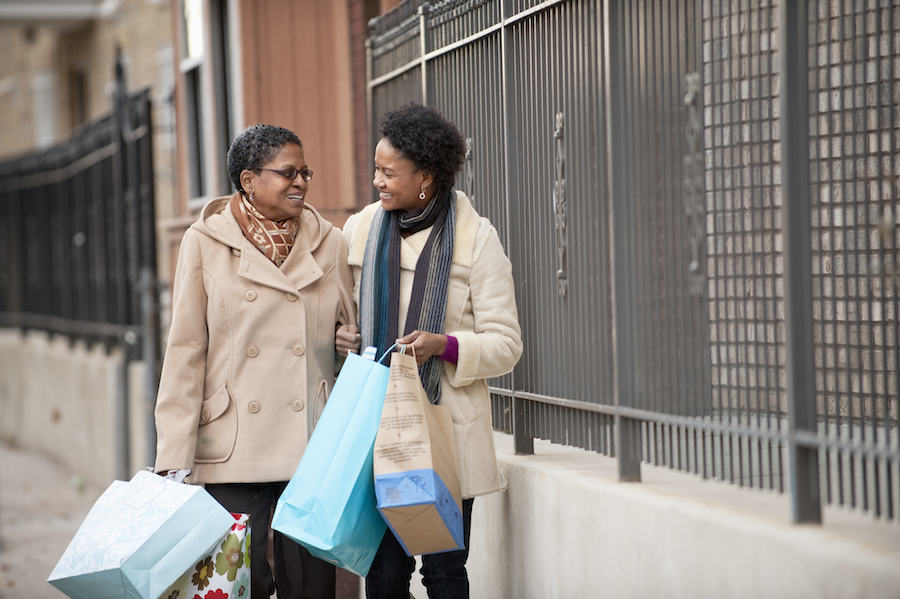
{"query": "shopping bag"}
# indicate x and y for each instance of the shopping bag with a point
(328, 505)
(223, 572)
(415, 465)
(138, 538)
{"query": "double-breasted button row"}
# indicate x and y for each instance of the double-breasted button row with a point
(250, 295)
(298, 349)
(297, 404)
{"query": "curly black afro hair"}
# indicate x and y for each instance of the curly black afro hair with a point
(255, 146)
(429, 140)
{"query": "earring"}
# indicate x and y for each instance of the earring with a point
(422, 195)
(251, 196)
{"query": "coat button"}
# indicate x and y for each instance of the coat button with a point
(298, 349)
(292, 297)
(253, 406)
(250, 295)
(252, 351)
(297, 403)
(206, 415)
(236, 251)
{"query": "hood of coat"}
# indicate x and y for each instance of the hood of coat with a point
(217, 221)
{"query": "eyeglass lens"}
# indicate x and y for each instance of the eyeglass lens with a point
(291, 173)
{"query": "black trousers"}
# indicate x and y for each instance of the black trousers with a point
(298, 575)
(443, 574)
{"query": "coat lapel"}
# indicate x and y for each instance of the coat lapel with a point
(299, 270)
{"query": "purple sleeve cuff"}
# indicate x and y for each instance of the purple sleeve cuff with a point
(451, 354)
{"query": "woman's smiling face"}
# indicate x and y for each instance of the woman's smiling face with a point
(274, 195)
(398, 181)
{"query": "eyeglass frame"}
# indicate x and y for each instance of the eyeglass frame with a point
(306, 177)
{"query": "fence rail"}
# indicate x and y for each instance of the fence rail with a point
(700, 203)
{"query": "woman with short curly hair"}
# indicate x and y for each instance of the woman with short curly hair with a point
(431, 272)
(262, 279)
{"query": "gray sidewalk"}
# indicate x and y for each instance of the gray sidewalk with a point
(42, 504)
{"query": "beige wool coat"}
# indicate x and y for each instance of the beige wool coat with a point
(481, 314)
(250, 357)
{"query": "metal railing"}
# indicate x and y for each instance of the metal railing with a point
(699, 200)
(78, 229)
(78, 243)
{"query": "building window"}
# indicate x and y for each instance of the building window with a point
(204, 66)
(43, 89)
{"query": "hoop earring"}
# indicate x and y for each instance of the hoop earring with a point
(422, 195)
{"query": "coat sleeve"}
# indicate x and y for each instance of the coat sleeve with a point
(347, 307)
(495, 345)
(181, 386)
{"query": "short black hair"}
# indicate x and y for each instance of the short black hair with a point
(255, 146)
(430, 141)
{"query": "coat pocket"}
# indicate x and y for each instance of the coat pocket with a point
(218, 428)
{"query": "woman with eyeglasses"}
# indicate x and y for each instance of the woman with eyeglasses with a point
(431, 272)
(261, 284)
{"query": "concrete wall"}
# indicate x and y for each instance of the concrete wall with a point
(66, 401)
(566, 528)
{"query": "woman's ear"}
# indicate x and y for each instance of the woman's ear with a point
(247, 178)
(427, 178)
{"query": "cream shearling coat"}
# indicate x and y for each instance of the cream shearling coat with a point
(250, 357)
(481, 314)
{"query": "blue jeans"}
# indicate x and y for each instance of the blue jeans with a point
(443, 574)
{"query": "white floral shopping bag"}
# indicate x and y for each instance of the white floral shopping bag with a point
(223, 573)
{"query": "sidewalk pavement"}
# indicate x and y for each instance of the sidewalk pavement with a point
(42, 504)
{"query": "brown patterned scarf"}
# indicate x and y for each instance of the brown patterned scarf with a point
(274, 239)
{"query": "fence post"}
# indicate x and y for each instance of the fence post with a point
(619, 175)
(795, 207)
(423, 48)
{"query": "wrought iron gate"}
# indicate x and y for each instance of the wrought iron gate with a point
(689, 296)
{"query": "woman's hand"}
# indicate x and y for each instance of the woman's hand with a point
(426, 345)
(347, 339)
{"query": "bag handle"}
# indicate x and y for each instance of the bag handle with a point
(402, 349)
(387, 351)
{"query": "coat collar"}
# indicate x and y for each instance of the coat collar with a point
(467, 221)
(299, 270)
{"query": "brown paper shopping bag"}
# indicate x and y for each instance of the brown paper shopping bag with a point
(416, 472)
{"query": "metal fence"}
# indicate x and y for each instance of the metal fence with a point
(78, 236)
(699, 200)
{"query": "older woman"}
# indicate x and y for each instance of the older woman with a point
(429, 270)
(261, 282)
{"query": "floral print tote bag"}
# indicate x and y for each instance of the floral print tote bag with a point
(223, 573)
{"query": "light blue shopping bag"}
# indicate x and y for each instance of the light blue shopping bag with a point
(329, 504)
(139, 537)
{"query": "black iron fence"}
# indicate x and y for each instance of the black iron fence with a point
(699, 200)
(77, 235)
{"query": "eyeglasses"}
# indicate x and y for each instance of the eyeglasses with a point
(291, 173)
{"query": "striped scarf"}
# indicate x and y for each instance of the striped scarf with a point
(379, 295)
(274, 239)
